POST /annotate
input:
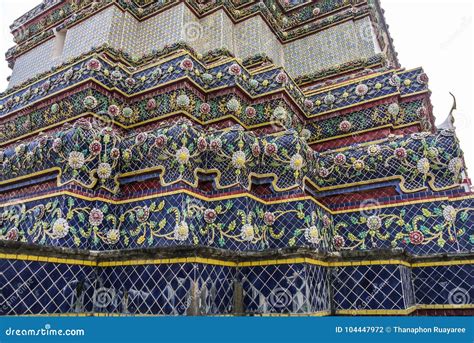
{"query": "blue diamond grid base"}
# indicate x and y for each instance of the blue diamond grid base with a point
(223, 288)
(223, 158)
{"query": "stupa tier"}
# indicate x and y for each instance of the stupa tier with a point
(226, 158)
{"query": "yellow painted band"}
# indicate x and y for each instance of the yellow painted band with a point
(404, 311)
(377, 312)
(211, 261)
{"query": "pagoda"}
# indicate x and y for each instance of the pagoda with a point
(233, 157)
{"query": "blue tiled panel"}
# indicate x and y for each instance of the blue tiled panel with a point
(285, 289)
(444, 285)
(45, 288)
(31, 287)
(370, 287)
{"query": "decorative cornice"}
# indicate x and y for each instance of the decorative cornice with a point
(222, 258)
(286, 26)
(131, 82)
(100, 157)
(183, 220)
(266, 114)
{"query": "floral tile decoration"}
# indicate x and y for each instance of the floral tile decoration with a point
(226, 158)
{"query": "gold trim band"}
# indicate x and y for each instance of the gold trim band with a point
(24, 257)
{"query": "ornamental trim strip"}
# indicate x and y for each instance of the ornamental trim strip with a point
(212, 261)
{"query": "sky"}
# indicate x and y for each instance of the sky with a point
(437, 35)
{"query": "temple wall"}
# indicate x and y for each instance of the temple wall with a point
(253, 37)
(339, 44)
(183, 188)
(35, 61)
(79, 39)
(132, 287)
(215, 30)
(156, 32)
(87, 35)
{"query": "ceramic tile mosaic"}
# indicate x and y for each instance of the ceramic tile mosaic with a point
(342, 43)
(154, 33)
(336, 45)
(296, 289)
(45, 288)
(34, 62)
(191, 288)
(89, 34)
(79, 39)
(444, 285)
(212, 31)
(368, 44)
(121, 22)
(149, 176)
(372, 287)
(253, 37)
